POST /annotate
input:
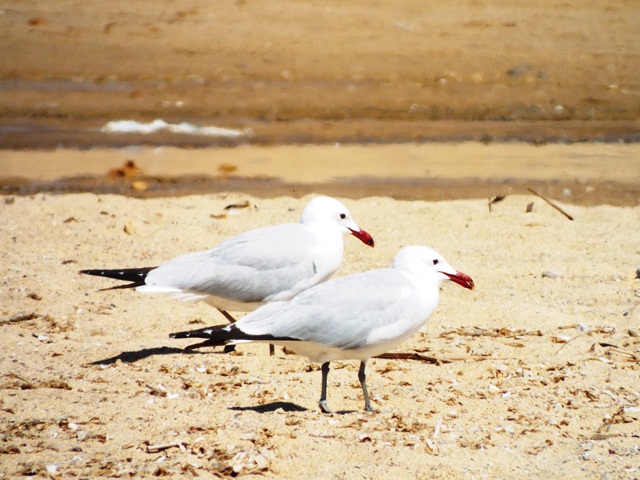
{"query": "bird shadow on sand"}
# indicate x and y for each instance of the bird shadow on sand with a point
(271, 407)
(286, 406)
(137, 355)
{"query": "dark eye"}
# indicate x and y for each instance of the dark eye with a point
(435, 261)
(343, 216)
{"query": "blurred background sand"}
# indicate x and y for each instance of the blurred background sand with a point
(300, 73)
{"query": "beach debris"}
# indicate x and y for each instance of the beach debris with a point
(36, 21)
(519, 70)
(414, 356)
(535, 192)
(20, 317)
(251, 460)
(227, 168)
(496, 199)
(129, 228)
(128, 170)
(13, 381)
(160, 447)
(140, 186)
(492, 332)
(232, 206)
(551, 274)
(231, 209)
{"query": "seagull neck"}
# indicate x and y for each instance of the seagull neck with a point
(327, 232)
(426, 285)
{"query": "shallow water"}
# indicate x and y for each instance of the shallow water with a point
(584, 173)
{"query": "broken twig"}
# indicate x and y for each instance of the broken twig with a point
(165, 446)
(550, 203)
(436, 360)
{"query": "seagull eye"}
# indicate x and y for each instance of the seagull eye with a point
(435, 261)
(343, 216)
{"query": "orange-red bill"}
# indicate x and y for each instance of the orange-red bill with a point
(363, 236)
(461, 279)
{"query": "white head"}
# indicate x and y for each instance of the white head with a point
(427, 263)
(326, 212)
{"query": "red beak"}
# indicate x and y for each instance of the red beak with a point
(461, 279)
(363, 236)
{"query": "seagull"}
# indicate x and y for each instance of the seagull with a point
(254, 268)
(354, 317)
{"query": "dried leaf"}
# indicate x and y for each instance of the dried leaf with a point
(140, 186)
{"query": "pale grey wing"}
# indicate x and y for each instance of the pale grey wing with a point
(344, 312)
(248, 268)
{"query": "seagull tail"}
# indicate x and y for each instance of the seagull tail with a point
(134, 275)
(224, 335)
(215, 336)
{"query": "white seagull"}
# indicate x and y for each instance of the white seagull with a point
(257, 267)
(356, 317)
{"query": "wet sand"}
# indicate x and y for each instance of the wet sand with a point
(581, 173)
(305, 72)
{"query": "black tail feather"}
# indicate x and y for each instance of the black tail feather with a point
(210, 333)
(136, 276)
(223, 335)
(215, 336)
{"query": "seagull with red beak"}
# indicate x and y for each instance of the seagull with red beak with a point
(353, 317)
(260, 266)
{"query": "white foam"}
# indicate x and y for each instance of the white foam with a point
(132, 126)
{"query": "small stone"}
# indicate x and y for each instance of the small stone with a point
(129, 228)
(551, 274)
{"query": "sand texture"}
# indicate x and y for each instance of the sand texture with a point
(537, 372)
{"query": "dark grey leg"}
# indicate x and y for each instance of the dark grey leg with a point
(363, 381)
(323, 393)
(228, 316)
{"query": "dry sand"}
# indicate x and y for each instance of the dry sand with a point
(544, 353)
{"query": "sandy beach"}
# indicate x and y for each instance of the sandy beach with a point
(536, 370)
(504, 136)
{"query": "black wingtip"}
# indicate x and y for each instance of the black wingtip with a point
(135, 275)
(214, 336)
(223, 335)
(207, 332)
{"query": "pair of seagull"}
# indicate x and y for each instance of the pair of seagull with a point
(280, 275)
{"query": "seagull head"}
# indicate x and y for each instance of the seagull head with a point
(327, 212)
(426, 262)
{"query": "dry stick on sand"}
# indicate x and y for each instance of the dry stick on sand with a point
(165, 446)
(436, 360)
(550, 203)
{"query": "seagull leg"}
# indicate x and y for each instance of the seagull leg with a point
(227, 315)
(363, 381)
(323, 394)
